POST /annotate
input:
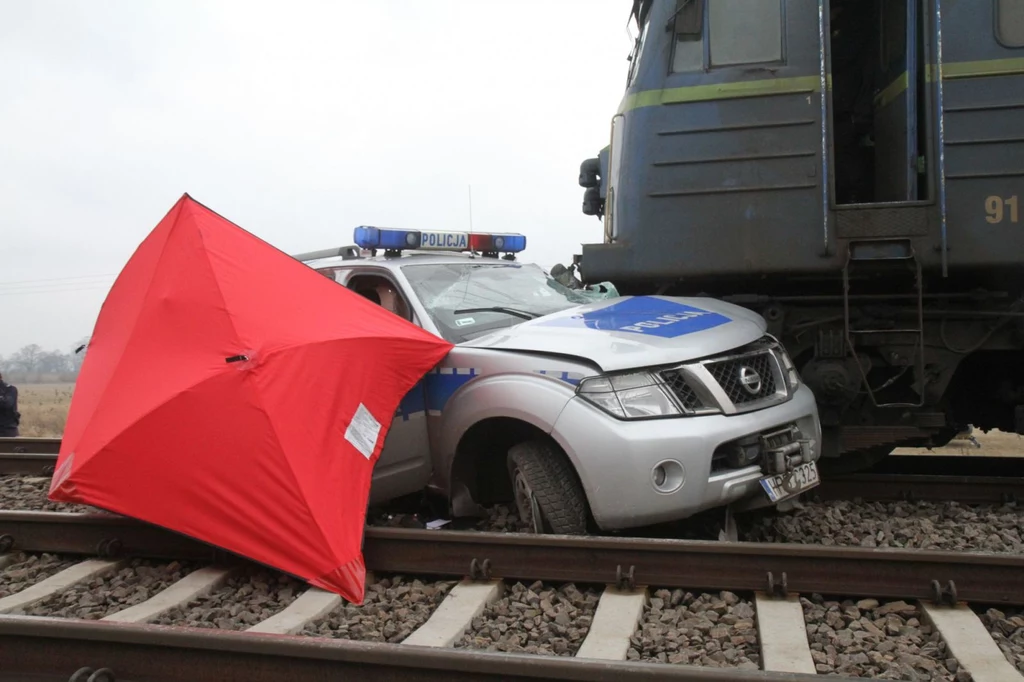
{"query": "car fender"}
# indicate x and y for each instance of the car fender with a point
(535, 399)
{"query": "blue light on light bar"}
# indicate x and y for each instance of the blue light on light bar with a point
(377, 238)
(397, 240)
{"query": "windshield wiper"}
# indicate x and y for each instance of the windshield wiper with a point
(499, 309)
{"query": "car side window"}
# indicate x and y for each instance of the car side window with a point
(383, 292)
(329, 273)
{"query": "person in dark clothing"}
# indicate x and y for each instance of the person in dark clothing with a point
(9, 415)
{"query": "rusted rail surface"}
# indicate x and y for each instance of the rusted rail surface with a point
(885, 573)
(33, 464)
(949, 465)
(55, 649)
(44, 446)
(99, 534)
(915, 487)
(935, 479)
(956, 465)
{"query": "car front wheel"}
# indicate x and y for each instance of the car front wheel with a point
(549, 497)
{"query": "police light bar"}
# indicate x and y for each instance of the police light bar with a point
(397, 240)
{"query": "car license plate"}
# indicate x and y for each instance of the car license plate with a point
(803, 478)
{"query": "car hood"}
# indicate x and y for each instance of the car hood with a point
(633, 331)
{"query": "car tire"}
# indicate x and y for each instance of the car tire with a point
(543, 480)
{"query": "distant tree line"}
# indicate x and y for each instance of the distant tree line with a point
(33, 365)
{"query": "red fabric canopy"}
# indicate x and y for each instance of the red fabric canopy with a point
(234, 395)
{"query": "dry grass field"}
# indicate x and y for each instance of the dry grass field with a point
(44, 409)
(993, 444)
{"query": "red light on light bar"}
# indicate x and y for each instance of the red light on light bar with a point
(493, 243)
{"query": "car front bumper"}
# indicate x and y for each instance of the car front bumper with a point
(615, 459)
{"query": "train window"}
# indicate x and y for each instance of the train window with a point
(638, 49)
(745, 31)
(688, 54)
(1010, 22)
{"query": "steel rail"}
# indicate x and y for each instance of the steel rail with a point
(49, 446)
(100, 534)
(30, 464)
(57, 648)
(775, 568)
(917, 487)
(949, 465)
(936, 479)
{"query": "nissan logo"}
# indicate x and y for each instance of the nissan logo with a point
(750, 380)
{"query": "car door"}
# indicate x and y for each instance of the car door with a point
(404, 466)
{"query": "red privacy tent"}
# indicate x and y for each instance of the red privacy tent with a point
(234, 395)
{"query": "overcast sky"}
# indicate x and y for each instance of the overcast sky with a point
(296, 120)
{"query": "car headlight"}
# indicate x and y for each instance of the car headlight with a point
(788, 368)
(638, 395)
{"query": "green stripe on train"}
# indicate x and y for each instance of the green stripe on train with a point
(979, 69)
(761, 87)
(764, 87)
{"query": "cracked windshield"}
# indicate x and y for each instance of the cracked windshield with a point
(467, 300)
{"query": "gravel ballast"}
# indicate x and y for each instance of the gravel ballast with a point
(947, 526)
(539, 619)
(244, 601)
(105, 595)
(884, 641)
(29, 569)
(392, 609)
(913, 525)
(28, 493)
(1007, 629)
(713, 630)
(500, 518)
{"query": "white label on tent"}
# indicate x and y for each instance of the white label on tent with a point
(363, 431)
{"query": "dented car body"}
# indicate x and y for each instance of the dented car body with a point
(612, 414)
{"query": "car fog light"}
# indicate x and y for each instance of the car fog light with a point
(668, 476)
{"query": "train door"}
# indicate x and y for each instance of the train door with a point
(896, 104)
(879, 102)
(884, 204)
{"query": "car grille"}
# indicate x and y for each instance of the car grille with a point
(694, 384)
(728, 373)
(687, 397)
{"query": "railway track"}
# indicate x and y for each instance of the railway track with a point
(924, 478)
(44, 446)
(82, 592)
(742, 606)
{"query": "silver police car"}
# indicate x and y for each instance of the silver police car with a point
(611, 413)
